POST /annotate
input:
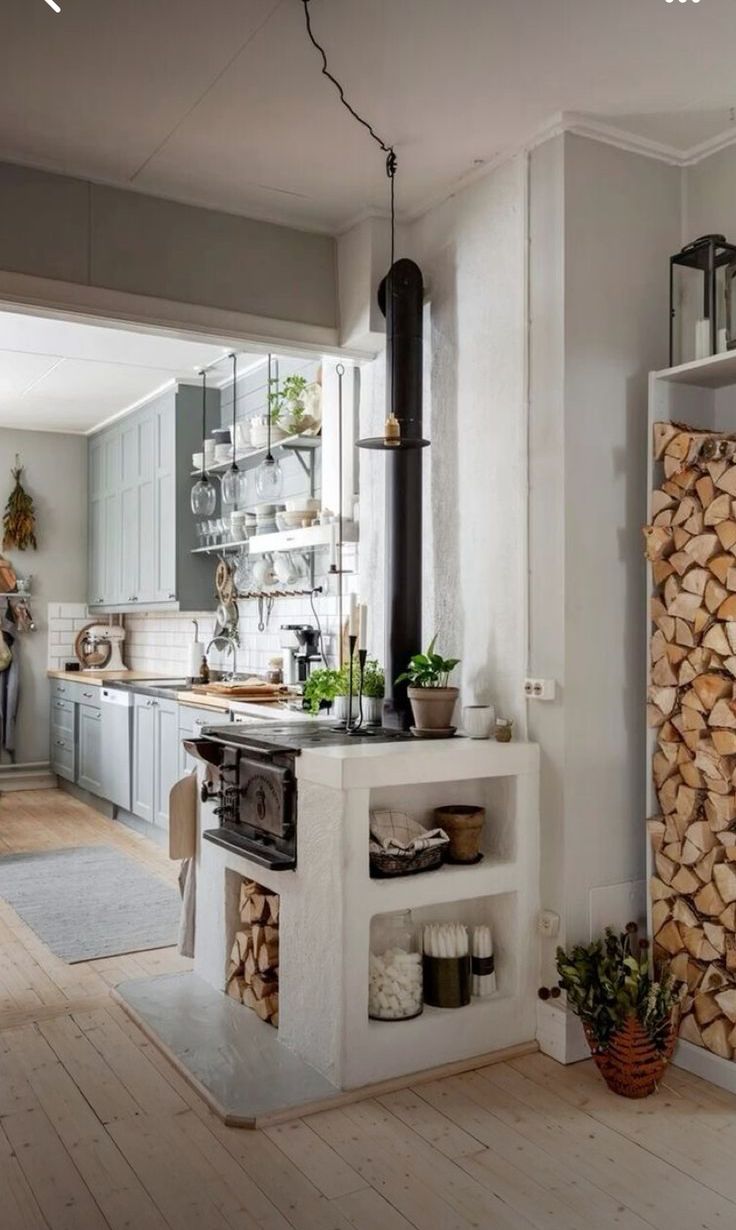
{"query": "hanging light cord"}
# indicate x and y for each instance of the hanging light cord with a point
(389, 151)
(203, 374)
(234, 358)
(268, 459)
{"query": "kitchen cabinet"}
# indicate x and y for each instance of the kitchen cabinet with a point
(140, 525)
(155, 757)
(89, 742)
(63, 736)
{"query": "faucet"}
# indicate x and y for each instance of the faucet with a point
(229, 641)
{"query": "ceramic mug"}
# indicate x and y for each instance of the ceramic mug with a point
(263, 572)
(479, 721)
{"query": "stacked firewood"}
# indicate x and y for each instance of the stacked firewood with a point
(253, 972)
(691, 545)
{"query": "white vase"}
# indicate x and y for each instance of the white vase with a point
(372, 710)
(340, 708)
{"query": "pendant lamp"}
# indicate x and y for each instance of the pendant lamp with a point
(204, 493)
(269, 475)
(393, 438)
(234, 480)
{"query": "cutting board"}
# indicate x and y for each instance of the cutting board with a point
(243, 690)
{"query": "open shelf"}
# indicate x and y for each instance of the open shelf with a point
(716, 372)
(447, 883)
(246, 460)
(304, 538)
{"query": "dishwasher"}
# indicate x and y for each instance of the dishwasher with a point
(116, 705)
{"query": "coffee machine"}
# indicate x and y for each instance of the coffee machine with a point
(300, 644)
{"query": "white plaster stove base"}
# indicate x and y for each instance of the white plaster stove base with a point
(328, 902)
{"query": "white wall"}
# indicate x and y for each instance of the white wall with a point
(56, 477)
(471, 252)
(69, 230)
(589, 497)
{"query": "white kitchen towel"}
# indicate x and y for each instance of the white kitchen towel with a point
(396, 833)
(188, 889)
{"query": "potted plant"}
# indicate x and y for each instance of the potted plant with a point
(374, 689)
(294, 407)
(432, 699)
(629, 1016)
(322, 687)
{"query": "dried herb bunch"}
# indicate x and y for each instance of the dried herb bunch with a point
(610, 980)
(19, 520)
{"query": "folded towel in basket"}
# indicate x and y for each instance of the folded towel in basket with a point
(393, 832)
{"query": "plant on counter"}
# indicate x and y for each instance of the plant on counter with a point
(374, 682)
(432, 699)
(322, 687)
(629, 1016)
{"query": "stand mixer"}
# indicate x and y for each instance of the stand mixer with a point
(99, 648)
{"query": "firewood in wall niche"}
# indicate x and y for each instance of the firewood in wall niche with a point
(19, 520)
(690, 544)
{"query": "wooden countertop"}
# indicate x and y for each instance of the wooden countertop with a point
(204, 700)
(99, 678)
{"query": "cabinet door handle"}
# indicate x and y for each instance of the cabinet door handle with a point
(61, 689)
(100, 601)
(60, 743)
(133, 598)
(172, 595)
(88, 695)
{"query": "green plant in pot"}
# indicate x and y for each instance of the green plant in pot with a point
(294, 407)
(629, 1016)
(322, 687)
(432, 699)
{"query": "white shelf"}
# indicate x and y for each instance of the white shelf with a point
(304, 538)
(253, 457)
(447, 883)
(717, 372)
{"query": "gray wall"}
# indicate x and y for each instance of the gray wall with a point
(67, 229)
(589, 496)
(56, 477)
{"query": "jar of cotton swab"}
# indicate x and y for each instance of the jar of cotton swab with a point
(482, 963)
(446, 963)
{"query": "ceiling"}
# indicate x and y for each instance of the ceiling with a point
(223, 104)
(58, 375)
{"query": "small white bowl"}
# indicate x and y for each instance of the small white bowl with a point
(302, 504)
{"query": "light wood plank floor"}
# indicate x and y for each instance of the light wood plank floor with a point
(98, 1130)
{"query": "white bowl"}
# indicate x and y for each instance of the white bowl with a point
(197, 460)
(302, 503)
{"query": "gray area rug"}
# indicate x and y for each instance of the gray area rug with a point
(86, 902)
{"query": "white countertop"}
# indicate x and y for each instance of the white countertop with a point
(393, 764)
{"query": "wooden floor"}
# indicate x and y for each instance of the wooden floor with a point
(98, 1130)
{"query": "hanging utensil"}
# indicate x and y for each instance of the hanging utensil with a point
(261, 624)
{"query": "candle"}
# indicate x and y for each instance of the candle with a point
(362, 636)
(333, 547)
(353, 623)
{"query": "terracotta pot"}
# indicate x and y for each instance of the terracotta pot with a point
(464, 826)
(433, 707)
(631, 1065)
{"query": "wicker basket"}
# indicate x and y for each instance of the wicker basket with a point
(631, 1065)
(384, 864)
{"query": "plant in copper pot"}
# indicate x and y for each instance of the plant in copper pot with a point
(629, 1016)
(432, 699)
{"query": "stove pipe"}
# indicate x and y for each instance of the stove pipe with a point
(402, 307)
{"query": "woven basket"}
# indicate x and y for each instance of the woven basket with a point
(384, 865)
(631, 1065)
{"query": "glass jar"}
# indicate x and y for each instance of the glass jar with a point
(275, 672)
(395, 971)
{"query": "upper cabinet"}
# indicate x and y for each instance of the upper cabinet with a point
(141, 528)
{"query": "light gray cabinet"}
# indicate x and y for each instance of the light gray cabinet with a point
(89, 743)
(63, 737)
(141, 528)
(155, 757)
(166, 750)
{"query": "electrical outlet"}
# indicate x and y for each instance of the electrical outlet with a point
(548, 923)
(539, 689)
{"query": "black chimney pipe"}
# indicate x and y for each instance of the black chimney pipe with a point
(400, 298)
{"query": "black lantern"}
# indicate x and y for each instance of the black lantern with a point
(712, 259)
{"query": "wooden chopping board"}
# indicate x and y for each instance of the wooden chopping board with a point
(244, 689)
